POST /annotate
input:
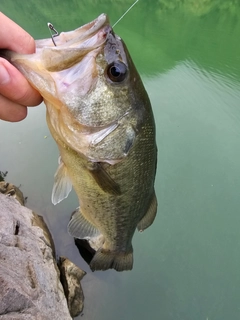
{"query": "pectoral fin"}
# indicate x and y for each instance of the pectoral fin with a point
(80, 228)
(149, 217)
(103, 179)
(62, 184)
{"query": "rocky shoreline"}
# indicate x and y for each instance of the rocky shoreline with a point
(33, 285)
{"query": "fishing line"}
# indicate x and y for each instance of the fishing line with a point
(125, 13)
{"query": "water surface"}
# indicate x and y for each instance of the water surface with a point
(187, 264)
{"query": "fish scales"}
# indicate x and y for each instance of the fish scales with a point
(100, 116)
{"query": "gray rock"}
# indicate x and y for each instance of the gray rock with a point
(29, 278)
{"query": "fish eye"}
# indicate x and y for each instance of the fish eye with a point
(117, 71)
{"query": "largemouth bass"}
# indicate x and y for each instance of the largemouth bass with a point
(100, 116)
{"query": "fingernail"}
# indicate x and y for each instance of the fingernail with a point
(4, 75)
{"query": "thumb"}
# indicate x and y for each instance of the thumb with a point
(14, 86)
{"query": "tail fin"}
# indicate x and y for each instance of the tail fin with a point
(104, 260)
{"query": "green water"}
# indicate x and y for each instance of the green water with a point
(187, 265)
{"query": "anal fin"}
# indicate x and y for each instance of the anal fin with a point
(149, 217)
(80, 228)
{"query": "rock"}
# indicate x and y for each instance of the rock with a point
(3, 175)
(11, 190)
(71, 275)
(29, 278)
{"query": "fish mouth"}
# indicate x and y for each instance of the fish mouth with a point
(69, 48)
(90, 35)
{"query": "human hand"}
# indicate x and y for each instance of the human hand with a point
(15, 91)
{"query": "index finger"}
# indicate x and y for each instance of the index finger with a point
(13, 37)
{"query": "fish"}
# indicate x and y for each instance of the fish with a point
(101, 118)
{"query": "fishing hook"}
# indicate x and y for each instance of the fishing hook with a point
(51, 28)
